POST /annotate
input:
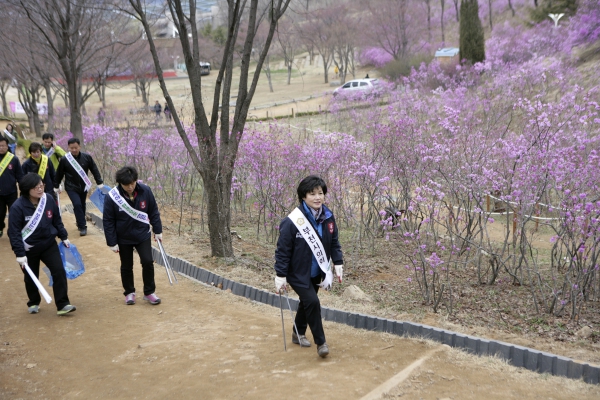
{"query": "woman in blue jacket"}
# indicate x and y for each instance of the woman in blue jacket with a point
(304, 235)
(33, 225)
(129, 211)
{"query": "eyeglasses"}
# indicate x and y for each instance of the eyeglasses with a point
(39, 187)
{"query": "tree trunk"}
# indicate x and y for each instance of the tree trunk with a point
(325, 69)
(428, 2)
(456, 10)
(490, 14)
(289, 71)
(50, 99)
(4, 85)
(443, 4)
(511, 7)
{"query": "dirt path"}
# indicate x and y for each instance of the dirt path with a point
(202, 342)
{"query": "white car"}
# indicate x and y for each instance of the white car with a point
(357, 85)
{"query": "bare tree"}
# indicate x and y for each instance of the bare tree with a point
(316, 31)
(215, 158)
(75, 32)
(287, 36)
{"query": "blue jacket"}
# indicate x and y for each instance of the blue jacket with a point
(45, 234)
(30, 165)
(293, 257)
(120, 228)
(10, 177)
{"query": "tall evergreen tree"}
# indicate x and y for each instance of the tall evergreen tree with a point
(472, 44)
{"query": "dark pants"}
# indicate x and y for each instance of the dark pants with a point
(309, 311)
(51, 257)
(78, 200)
(5, 203)
(144, 249)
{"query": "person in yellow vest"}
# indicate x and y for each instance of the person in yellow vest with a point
(53, 151)
(40, 164)
(10, 174)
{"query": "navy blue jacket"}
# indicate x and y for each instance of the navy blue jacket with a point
(120, 228)
(45, 234)
(10, 177)
(73, 181)
(293, 257)
(30, 165)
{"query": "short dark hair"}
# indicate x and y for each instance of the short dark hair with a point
(3, 139)
(34, 146)
(126, 175)
(310, 183)
(28, 182)
(48, 135)
(74, 140)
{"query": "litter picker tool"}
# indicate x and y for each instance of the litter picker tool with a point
(38, 284)
(167, 264)
(282, 324)
(292, 314)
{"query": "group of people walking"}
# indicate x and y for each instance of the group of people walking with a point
(34, 220)
(307, 249)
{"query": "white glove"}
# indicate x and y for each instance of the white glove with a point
(158, 236)
(57, 191)
(280, 283)
(339, 271)
(23, 260)
(67, 243)
(115, 248)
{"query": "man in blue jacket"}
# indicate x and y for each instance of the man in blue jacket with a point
(10, 174)
(308, 241)
(129, 211)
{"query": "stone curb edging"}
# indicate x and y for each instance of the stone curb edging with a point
(518, 356)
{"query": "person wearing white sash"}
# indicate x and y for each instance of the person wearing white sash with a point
(307, 245)
(74, 167)
(50, 149)
(12, 137)
(10, 174)
(41, 165)
(34, 223)
(129, 211)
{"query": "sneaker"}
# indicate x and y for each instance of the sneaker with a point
(153, 299)
(323, 350)
(130, 299)
(66, 309)
(83, 232)
(34, 309)
(300, 339)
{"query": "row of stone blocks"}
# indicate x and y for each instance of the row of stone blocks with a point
(518, 356)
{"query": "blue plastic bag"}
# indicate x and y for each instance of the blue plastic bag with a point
(99, 196)
(71, 260)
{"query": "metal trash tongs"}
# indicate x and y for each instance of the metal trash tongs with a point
(167, 264)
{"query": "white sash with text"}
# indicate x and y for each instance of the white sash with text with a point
(312, 238)
(34, 221)
(80, 171)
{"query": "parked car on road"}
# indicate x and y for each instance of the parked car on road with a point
(357, 85)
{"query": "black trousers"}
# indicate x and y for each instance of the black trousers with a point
(309, 311)
(78, 201)
(144, 249)
(5, 203)
(51, 257)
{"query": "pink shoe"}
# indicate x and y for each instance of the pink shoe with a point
(130, 299)
(153, 299)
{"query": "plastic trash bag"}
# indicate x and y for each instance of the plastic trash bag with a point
(99, 196)
(71, 260)
(49, 274)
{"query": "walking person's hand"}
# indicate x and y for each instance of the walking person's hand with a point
(67, 243)
(339, 271)
(158, 237)
(115, 248)
(280, 283)
(22, 261)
